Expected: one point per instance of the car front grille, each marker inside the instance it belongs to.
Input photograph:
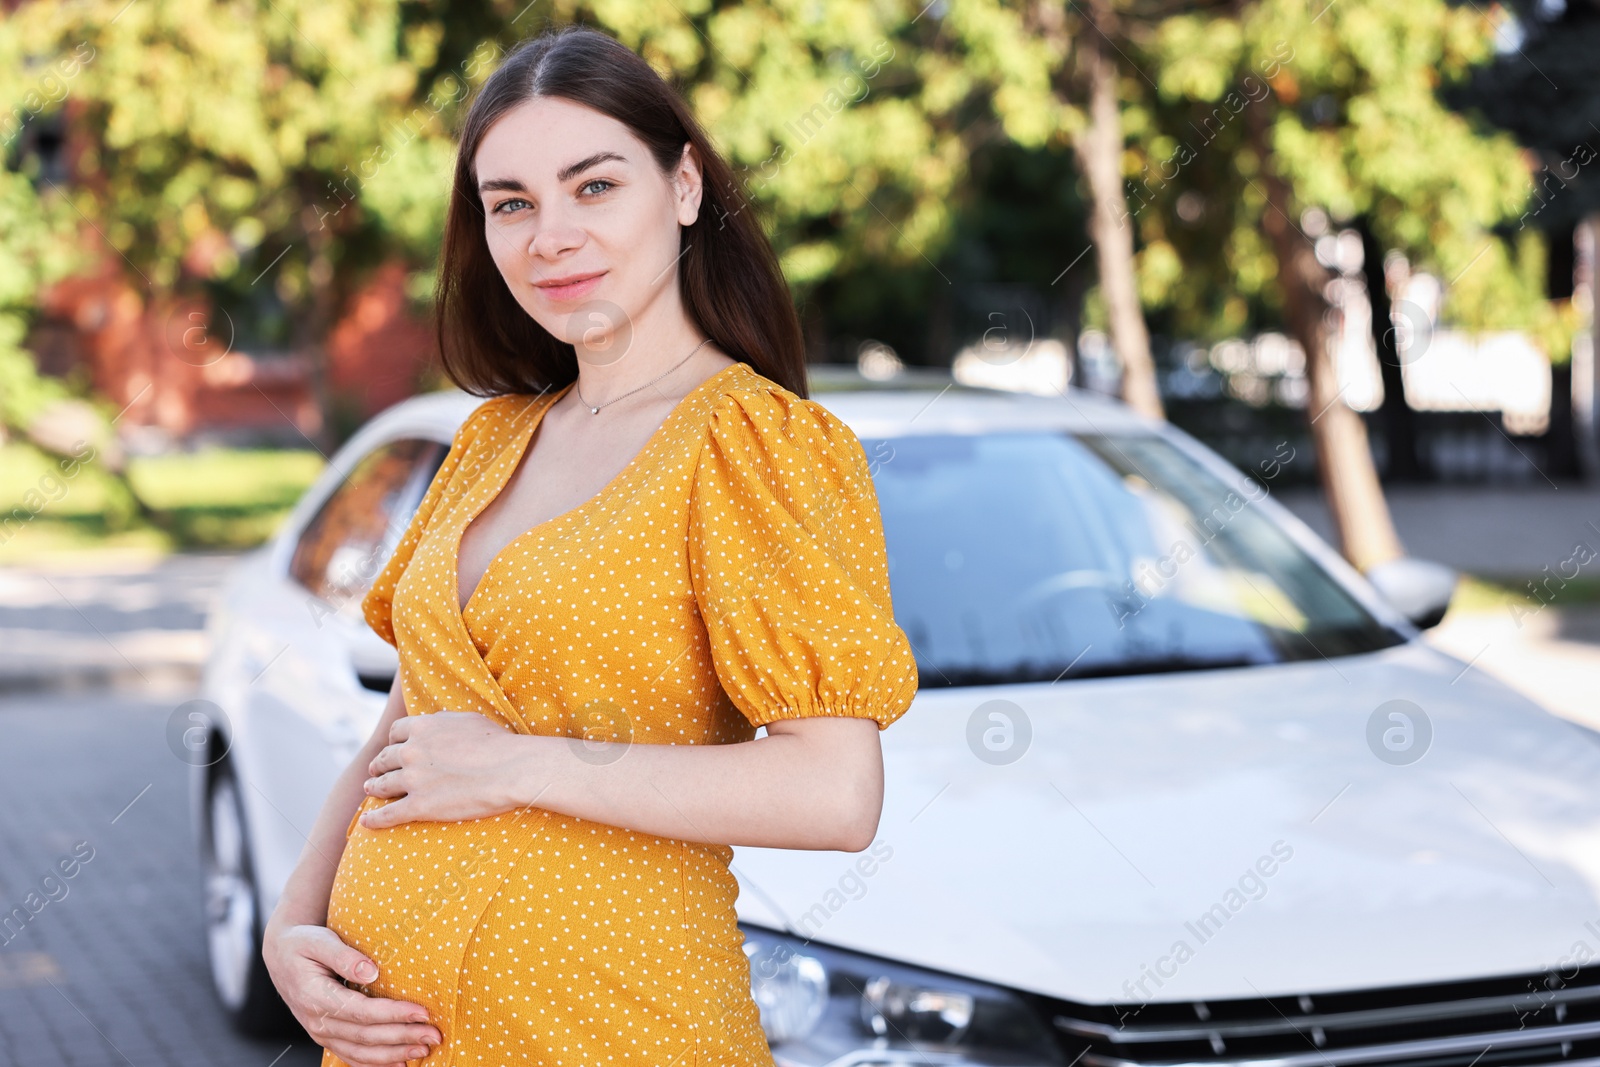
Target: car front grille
(1542, 1018)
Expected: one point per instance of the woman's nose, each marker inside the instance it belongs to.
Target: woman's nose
(552, 236)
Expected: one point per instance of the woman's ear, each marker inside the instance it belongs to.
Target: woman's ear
(688, 185)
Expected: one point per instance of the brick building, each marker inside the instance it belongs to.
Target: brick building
(178, 375)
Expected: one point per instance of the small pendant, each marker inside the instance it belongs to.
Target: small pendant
(594, 411)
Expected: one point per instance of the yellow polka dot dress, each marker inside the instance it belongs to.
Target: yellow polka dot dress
(733, 574)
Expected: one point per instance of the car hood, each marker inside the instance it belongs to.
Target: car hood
(1217, 834)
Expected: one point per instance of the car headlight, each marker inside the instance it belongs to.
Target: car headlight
(828, 1006)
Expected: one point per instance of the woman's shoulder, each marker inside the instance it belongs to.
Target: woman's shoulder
(760, 425)
(753, 405)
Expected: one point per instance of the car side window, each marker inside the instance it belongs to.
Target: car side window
(346, 544)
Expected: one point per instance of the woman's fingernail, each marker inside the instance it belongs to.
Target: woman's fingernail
(417, 1053)
(366, 971)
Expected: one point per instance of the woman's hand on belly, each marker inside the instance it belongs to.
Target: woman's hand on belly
(306, 963)
(447, 766)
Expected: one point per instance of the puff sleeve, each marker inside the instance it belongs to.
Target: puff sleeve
(787, 560)
(378, 604)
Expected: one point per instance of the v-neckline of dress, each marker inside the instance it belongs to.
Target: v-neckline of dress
(511, 457)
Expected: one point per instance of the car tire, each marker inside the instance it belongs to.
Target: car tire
(233, 918)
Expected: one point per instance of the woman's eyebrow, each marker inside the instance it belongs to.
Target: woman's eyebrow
(573, 169)
(494, 185)
(513, 185)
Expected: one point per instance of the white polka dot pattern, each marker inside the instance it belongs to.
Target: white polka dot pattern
(733, 574)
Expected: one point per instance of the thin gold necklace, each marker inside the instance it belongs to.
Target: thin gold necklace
(594, 409)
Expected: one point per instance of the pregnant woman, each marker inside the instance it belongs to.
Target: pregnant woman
(645, 544)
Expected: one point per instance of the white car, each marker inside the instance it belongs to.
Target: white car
(1179, 785)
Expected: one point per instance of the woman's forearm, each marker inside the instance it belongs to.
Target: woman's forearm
(304, 900)
(814, 783)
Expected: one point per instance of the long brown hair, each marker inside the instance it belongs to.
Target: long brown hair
(731, 283)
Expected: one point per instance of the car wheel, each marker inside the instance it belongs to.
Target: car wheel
(233, 915)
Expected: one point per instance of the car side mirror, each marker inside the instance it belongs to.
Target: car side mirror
(1419, 588)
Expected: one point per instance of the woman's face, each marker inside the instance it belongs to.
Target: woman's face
(570, 193)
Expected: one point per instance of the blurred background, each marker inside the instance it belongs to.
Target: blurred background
(1358, 233)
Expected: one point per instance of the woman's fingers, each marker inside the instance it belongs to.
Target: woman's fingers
(393, 813)
(306, 963)
(385, 785)
(387, 759)
(397, 1034)
(323, 945)
(327, 1009)
(363, 1010)
(410, 1035)
(374, 1055)
(334, 1000)
(368, 1030)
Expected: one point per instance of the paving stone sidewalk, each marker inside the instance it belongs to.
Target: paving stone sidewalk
(111, 970)
(94, 624)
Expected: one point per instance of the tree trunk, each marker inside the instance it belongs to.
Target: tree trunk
(1344, 459)
(1560, 437)
(814, 328)
(1561, 459)
(1099, 151)
(1399, 421)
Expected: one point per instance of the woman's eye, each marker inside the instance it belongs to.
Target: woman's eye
(598, 181)
(503, 203)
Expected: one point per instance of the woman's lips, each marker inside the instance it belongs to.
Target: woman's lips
(573, 291)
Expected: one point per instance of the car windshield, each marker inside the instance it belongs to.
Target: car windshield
(1036, 556)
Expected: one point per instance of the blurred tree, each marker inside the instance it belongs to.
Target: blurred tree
(228, 145)
(1012, 270)
(1276, 115)
(36, 250)
(1542, 89)
(855, 124)
(271, 150)
(1405, 463)
(34, 253)
(1099, 144)
(1066, 62)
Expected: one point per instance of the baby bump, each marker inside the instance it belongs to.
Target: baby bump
(578, 957)
(570, 939)
(410, 896)
(603, 945)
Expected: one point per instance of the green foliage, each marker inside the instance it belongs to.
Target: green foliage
(24, 392)
(284, 145)
(35, 250)
(840, 125)
(269, 143)
(1350, 97)
(1545, 94)
(223, 125)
